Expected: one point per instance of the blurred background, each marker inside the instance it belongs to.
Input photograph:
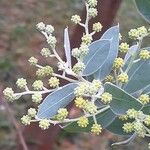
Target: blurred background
(20, 40)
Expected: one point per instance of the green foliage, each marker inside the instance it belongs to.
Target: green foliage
(111, 34)
(60, 98)
(98, 53)
(105, 118)
(144, 8)
(122, 101)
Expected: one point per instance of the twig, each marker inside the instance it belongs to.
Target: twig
(16, 125)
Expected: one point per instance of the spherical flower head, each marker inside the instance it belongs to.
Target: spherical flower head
(92, 90)
(87, 39)
(37, 85)
(32, 112)
(118, 63)
(40, 26)
(106, 98)
(128, 127)
(44, 72)
(92, 3)
(132, 113)
(90, 107)
(144, 54)
(78, 67)
(96, 129)
(83, 122)
(81, 89)
(51, 40)
(49, 29)
(76, 19)
(84, 49)
(97, 84)
(139, 128)
(44, 124)
(123, 117)
(97, 27)
(21, 83)
(9, 94)
(123, 78)
(92, 12)
(109, 78)
(124, 47)
(37, 97)
(45, 52)
(144, 98)
(26, 120)
(33, 61)
(147, 120)
(142, 31)
(80, 102)
(53, 82)
(76, 53)
(62, 114)
(133, 34)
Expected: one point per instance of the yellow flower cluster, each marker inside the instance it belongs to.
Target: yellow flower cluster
(123, 117)
(132, 113)
(21, 83)
(92, 3)
(106, 98)
(37, 97)
(80, 102)
(90, 107)
(33, 61)
(118, 63)
(128, 127)
(138, 33)
(53, 82)
(96, 129)
(144, 98)
(97, 27)
(147, 120)
(78, 67)
(9, 94)
(45, 71)
(87, 39)
(83, 122)
(144, 54)
(62, 114)
(37, 85)
(76, 19)
(124, 47)
(44, 124)
(26, 120)
(123, 78)
(109, 78)
(32, 112)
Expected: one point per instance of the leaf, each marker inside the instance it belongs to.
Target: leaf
(98, 53)
(144, 8)
(146, 109)
(113, 35)
(116, 127)
(139, 76)
(104, 119)
(67, 47)
(146, 90)
(130, 52)
(121, 100)
(58, 99)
